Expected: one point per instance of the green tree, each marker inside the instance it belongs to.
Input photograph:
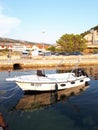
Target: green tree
(51, 48)
(71, 43)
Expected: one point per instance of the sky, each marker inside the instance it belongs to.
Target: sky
(45, 21)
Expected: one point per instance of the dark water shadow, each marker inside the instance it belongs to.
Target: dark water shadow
(36, 100)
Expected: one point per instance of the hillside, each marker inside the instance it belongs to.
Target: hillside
(8, 40)
(88, 31)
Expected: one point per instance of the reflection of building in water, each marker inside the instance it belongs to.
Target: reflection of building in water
(36, 100)
(92, 71)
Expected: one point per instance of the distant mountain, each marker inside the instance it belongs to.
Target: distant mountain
(8, 40)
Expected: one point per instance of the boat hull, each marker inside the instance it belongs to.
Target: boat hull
(25, 86)
(50, 82)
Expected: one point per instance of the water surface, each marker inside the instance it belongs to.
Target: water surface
(78, 112)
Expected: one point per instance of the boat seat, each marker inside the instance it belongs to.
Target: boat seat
(39, 73)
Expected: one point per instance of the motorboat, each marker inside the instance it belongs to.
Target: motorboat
(51, 82)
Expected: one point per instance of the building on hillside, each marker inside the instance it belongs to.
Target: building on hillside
(4, 46)
(34, 49)
(92, 37)
(18, 47)
(92, 40)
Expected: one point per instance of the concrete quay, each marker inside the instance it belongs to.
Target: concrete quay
(48, 61)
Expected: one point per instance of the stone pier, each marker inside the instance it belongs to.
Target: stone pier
(49, 61)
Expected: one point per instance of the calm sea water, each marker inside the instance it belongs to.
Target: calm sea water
(79, 112)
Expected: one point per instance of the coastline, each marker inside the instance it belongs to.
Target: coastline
(48, 61)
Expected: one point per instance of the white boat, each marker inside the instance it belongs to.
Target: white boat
(51, 82)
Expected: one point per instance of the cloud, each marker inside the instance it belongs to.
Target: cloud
(7, 24)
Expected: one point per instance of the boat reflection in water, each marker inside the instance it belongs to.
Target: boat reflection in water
(34, 100)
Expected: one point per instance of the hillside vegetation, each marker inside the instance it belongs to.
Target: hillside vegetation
(8, 40)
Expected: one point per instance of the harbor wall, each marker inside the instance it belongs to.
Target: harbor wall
(48, 61)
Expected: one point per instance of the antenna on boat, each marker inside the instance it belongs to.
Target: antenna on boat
(61, 61)
(77, 63)
(75, 68)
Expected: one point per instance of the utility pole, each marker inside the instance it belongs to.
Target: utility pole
(43, 42)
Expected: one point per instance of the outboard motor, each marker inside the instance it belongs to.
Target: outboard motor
(84, 73)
